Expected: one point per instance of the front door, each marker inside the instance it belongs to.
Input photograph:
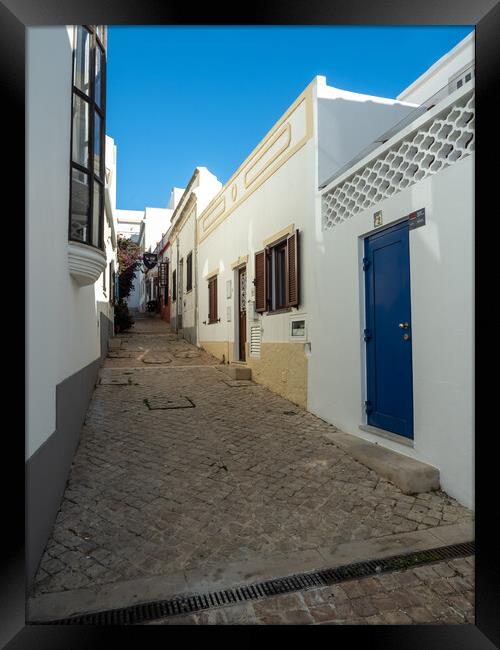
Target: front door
(389, 403)
(242, 306)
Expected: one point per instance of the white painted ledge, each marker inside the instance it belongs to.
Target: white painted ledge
(86, 263)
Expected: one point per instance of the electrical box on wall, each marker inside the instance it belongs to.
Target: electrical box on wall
(298, 328)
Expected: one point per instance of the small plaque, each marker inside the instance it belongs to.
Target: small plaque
(416, 219)
(377, 219)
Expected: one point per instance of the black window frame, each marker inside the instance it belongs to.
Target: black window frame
(96, 45)
(174, 285)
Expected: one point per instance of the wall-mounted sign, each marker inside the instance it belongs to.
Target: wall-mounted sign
(416, 219)
(377, 219)
(162, 274)
(150, 260)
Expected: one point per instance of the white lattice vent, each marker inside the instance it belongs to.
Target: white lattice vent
(436, 145)
(255, 340)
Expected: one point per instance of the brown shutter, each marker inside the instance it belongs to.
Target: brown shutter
(214, 285)
(260, 282)
(293, 269)
(212, 300)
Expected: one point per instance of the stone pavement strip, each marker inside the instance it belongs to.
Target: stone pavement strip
(178, 471)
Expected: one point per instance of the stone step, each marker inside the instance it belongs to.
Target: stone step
(410, 475)
(237, 371)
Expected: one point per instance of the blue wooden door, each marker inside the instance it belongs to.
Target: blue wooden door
(389, 403)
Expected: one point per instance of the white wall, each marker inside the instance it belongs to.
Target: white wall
(348, 122)
(62, 318)
(438, 75)
(442, 303)
(286, 197)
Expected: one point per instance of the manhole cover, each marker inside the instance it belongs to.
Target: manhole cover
(120, 354)
(157, 358)
(174, 402)
(234, 383)
(186, 355)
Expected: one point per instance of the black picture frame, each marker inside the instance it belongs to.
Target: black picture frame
(15, 16)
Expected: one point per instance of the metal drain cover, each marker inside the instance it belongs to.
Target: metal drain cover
(118, 381)
(161, 403)
(158, 357)
(234, 383)
(186, 355)
(120, 354)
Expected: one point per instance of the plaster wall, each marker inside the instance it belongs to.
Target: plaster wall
(442, 304)
(63, 319)
(438, 75)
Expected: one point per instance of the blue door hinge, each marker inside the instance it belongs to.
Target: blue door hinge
(366, 263)
(367, 335)
(368, 406)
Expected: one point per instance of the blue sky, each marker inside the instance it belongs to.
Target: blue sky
(179, 97)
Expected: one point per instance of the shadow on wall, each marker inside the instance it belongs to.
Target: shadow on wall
(346, 128)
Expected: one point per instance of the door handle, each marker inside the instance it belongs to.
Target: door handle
(403, 326)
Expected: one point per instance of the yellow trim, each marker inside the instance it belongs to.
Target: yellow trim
(306, 96)
(286, 129)
(234, 192)
(243, 259)
(278, 235)
(222, 202)
(211, 274)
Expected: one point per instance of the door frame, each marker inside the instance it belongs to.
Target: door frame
(362, 323)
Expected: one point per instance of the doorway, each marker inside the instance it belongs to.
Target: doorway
(389, 403)
(242, 312)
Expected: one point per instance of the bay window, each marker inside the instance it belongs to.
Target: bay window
(86, 213)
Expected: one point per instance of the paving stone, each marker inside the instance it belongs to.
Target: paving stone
(230, 479)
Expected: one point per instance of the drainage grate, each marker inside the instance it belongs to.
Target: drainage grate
(198, 602)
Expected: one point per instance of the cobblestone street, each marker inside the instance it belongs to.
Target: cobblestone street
(180, 468)
(441, 593)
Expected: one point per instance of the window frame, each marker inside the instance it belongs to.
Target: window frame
(189, 272)
(96, 45)
(174, 285)
(273, 276)
(213, 307)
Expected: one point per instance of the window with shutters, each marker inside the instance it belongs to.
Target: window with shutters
(212, 300)
(277, 275)
(189, 272)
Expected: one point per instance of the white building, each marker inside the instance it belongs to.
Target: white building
(407, 387)
(70, 245)
(183, 299)
(130, 224)
(256, 238)
(287, 272)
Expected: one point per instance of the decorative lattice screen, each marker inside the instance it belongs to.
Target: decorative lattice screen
(255, 340)
(436, 145)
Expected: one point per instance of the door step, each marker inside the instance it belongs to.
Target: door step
(237, 371)
(410, 475)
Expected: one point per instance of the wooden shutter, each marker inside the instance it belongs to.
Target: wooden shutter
(260, 282)
(292, 253)
(212, 300)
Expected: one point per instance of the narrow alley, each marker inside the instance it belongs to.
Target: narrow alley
(186, 480)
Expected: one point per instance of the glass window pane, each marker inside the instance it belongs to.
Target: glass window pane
(81, 73)
(80, 205)
(100, 32)
(96, 213)
(99, 66)
(80, 131)
(97, 144)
